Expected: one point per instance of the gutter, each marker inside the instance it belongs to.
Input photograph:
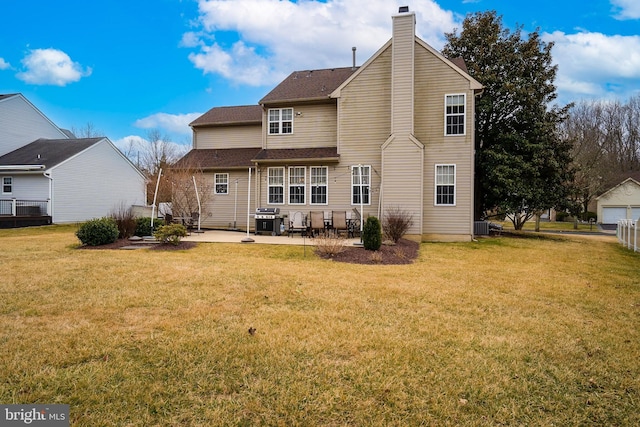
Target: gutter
(21, 167)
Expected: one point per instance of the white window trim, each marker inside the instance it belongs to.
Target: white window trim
(304, 185)
(353, 168)
(435, 187)
(3, 184)
(325, 185)
(464, 115)
(269, 185)
(279, 121)
(215, 183)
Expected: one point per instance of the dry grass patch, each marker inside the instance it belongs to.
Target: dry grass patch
(501, 331)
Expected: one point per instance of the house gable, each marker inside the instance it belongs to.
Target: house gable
(21, 122)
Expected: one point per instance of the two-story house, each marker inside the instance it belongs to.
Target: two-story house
(395, 132)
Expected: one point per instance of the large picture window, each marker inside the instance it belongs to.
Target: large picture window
(318, 183)
(276, 185)
(445, 185)
(360, 185)
(297, 185)
(280, 121)
(454, 114)
(221, 183)
(7, 185)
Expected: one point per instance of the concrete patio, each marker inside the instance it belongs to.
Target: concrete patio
(224, 236)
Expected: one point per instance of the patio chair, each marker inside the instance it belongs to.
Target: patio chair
(317, 222)
(339, 222)
(297, 223)
(354, 224)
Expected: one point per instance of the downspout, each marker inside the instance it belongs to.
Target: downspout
(50, 207)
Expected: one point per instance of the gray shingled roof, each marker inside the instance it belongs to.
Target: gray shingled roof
(232, 158)
(326, 154)
(244, 114)
(308, 85)
(47, 152)
(227, 158)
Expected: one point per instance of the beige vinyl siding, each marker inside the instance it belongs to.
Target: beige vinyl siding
(220, 210)
(221, 137)
(402, 74)
(403, 162)
(441, 149)
(365, 125)
(314, 126)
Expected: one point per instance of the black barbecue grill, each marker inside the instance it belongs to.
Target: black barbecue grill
(268, 220)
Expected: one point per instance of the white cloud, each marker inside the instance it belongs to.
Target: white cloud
(276, 37)
(51, 67)
(4, 65)
(594, 63)
(175, 123)
(627, 9)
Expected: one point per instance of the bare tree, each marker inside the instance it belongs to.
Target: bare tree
(89, 130)
(183, 178)
(605, 139)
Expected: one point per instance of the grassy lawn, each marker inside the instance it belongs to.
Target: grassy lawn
(515, 331)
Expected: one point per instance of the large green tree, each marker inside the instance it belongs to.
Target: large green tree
(522, 166)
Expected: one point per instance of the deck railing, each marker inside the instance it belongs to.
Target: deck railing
(628, 234)
(16, 207)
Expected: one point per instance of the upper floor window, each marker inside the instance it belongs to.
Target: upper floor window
(221, 183)
(454, 114)
(445, 185)
(280, 121)
(360, 185)
(297, 185)
(7, 185)
(275, 184)
(318, 177)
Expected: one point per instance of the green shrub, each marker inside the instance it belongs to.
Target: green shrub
(372, 234)
(171, 233)
(590, 216)
(561, 216)
(98, 232)
(143, 226)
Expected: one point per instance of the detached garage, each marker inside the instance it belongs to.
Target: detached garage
(620, 202)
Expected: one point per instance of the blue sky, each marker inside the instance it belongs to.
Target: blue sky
(130, 66)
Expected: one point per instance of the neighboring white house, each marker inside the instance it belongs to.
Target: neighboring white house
(619, 202)
(21, 123)
(56, 177)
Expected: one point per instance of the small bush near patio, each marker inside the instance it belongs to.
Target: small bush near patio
(329, 246)
(96, 232)
(143, 226)
(372, 234)
(125, 221)
(171, 233)
(395, 223)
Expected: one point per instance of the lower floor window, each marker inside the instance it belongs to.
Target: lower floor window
(222, 183)
(445, 185)
(360, 184)
(276, 185)
(319, 179)
(297, 185)
(7, 185)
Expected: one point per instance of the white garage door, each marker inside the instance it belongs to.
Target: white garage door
(612, 215)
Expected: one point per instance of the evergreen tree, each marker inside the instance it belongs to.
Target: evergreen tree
(522, 166)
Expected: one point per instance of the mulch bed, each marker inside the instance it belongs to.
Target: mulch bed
(120, 243)
(403, 252)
